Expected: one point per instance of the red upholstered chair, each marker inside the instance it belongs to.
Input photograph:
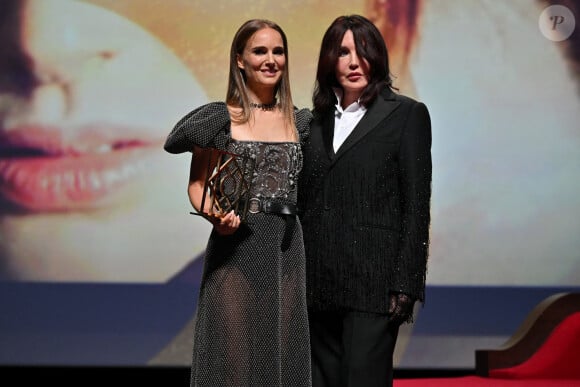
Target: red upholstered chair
(543, 352)
(546, 345)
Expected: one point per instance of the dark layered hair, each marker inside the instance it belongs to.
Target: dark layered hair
(237, 94)
(370, 45)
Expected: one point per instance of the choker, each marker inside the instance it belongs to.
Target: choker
(264, 106)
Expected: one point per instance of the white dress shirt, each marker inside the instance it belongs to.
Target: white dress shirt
(345, 120)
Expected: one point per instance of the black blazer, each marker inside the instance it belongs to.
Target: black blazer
(365, 210)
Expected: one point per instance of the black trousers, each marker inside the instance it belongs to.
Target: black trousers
(352, 349)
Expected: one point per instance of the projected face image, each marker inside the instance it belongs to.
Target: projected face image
(86, 191)
(89, 90)
(507, 182)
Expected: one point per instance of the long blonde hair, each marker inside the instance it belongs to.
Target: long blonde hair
(237, 94)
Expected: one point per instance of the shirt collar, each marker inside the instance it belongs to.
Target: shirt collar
(353, 107)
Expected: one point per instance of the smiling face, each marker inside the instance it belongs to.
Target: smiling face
(263, 60)
(352, 71)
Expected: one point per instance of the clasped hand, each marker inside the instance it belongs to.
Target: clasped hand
(226, 224)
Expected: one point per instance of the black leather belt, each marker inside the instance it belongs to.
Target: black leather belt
(269, 206)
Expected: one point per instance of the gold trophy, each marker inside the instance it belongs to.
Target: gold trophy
(227, 185)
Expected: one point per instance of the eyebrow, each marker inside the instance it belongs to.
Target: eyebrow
(275, 47)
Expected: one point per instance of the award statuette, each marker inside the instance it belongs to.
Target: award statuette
(227, 185)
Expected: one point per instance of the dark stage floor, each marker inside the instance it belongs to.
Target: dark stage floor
(146, 376)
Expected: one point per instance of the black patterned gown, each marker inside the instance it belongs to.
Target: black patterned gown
(251, 323)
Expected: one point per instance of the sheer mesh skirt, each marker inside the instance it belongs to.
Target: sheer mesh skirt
(252, 327)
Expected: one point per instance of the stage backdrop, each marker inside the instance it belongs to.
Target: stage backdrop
(100, 260)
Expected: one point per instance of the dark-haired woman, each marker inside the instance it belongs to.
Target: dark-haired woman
(365, 195)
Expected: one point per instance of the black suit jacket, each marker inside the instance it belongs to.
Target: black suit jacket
(365, 210)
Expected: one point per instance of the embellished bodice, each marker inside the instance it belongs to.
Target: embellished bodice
(267, 170)
(271, 168)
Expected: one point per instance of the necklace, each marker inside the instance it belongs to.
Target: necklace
(264, 106)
